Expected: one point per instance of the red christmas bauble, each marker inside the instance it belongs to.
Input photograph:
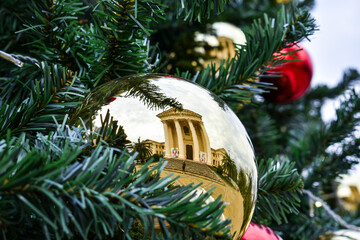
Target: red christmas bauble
(295, 79)
(256, 232)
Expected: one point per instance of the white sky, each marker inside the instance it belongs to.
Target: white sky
(335, 48)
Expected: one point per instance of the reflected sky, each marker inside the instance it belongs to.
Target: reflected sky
(223, 127)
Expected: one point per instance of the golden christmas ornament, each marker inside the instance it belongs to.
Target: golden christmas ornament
(197, 51)
(191, 128)
(220, 45)
(344, 234)
(348, 191)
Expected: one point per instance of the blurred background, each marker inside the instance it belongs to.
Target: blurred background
(333, 49)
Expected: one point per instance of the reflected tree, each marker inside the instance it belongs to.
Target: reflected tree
(244, 182)
(110, 131)
(229, 167)
(143, 149)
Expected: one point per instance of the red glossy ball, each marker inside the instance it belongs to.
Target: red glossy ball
(256, 232)
(295, 79)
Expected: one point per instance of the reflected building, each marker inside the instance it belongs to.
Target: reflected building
(217, 156)
(186, 138)
(157, 147)
(203, 134)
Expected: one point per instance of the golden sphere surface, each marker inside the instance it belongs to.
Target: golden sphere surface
(193, 129)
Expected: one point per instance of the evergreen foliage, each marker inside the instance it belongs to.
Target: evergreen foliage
(52, 189)
(232, 80)
(319, 151)
(60, 181)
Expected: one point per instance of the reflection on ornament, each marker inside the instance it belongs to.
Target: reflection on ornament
(195, 131)
(295, 79)
(341, 235)
(174, 151)
(256, 232)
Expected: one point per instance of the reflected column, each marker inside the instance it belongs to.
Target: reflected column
(180, 140)
(167, 134)
(207, 143)
(195, 141)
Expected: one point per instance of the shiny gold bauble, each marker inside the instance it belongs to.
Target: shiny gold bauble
(194, 130)
(342, 235)
(348, 190)
(195, 52)
(220, 44)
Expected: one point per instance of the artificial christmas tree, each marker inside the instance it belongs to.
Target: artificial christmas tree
(60, 180)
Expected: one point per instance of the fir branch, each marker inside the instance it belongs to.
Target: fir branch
(10, 14)
(322, 92)
(52, 93)
(56, 191)
(197, 10)
(279, 188)
(54, 30)
(316, 140)
(112, 43)
(330, 166)
(263, 129)
(263, 39)
(304, 227)
(120, 38)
